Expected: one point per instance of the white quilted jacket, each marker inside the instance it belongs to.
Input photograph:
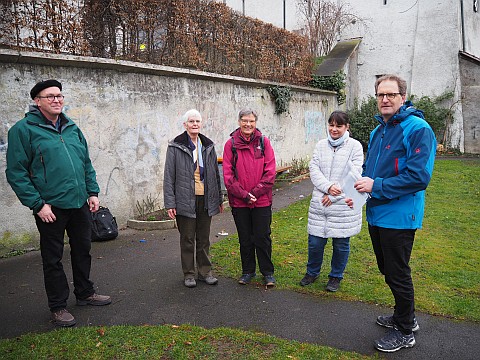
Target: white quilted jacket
(326, 168)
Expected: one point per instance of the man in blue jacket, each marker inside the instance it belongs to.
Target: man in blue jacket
(49, 169)
(396, 172)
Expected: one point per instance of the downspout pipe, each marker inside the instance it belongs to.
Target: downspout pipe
(462, 20)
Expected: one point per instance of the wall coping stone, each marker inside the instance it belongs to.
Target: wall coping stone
(89, 62)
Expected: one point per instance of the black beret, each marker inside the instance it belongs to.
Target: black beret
(42, 85)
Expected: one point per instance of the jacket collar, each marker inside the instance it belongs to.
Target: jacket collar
(405, 111)
(241, 142)
(35, 116)
(183, 139)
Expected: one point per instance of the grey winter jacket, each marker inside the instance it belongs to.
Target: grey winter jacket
(326, 168)
(179, 182)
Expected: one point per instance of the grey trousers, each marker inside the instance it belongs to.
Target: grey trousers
(195, 240)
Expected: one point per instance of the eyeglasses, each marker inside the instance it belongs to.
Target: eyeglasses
(390, 96)
(245, 121)
(50, 98)
(194, 121)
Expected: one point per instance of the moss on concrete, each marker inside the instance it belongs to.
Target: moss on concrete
(14, 244)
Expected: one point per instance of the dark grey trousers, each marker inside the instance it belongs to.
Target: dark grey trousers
(195, 240)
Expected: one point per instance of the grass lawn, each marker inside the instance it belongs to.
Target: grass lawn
(445, 260)
(445, 266)
(163, 342)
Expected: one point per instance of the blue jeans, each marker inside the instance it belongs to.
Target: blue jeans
(316, 246)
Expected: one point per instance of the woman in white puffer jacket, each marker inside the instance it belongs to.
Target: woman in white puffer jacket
(328, 215)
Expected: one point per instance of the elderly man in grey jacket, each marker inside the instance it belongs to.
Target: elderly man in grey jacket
(192, 195)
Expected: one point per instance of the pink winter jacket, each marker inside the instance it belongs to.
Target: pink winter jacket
(256, 173)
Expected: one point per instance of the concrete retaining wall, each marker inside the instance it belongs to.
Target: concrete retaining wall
(128, 112)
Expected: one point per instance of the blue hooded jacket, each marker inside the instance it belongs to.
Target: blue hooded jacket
(400, 160)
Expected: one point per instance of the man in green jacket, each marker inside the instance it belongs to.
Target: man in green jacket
(49, 169)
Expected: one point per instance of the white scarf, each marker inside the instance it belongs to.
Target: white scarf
(338, 141)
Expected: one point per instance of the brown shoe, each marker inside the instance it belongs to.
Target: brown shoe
(63, 318)
(95, 300)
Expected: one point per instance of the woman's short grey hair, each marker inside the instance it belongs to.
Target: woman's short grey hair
(189, 114)
(247, 111)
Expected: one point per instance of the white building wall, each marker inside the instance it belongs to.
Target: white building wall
(471, 27)
(270, 11)
(418, 40)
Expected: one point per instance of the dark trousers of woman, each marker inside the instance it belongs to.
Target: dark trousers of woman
(195, 240)
(77, 224)
(393, 248)
(253, 227)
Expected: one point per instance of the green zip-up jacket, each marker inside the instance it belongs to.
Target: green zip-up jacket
(47, 166)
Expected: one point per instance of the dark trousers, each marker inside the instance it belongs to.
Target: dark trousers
(195, 240)
(393, 248)
(77, 224)
(253, 227)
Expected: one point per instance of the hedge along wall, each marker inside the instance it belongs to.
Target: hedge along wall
(129, 111)
(197, 34)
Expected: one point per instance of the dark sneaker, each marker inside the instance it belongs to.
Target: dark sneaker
(209, 279)
(308, 279)
(63, 318)
(95, 300)
(387, 321)
(269, 280)
(246, 278)
(333, 284)
(394, 341)
(190, 282)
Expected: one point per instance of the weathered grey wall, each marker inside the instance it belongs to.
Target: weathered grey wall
(128, 112)
(470, 79)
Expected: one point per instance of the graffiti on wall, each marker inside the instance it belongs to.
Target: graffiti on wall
(315, 126)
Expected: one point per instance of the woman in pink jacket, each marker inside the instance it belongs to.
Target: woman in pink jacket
(249, 174)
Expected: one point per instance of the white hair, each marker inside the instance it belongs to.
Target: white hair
(190, 113)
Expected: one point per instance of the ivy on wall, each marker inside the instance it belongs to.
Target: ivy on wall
(281, 96)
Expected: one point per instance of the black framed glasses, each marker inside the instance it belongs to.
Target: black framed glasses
(390, 96)
(50, 98)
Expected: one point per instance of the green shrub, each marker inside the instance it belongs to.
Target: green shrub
(336, 83)
(362, 120)
(436, 114)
